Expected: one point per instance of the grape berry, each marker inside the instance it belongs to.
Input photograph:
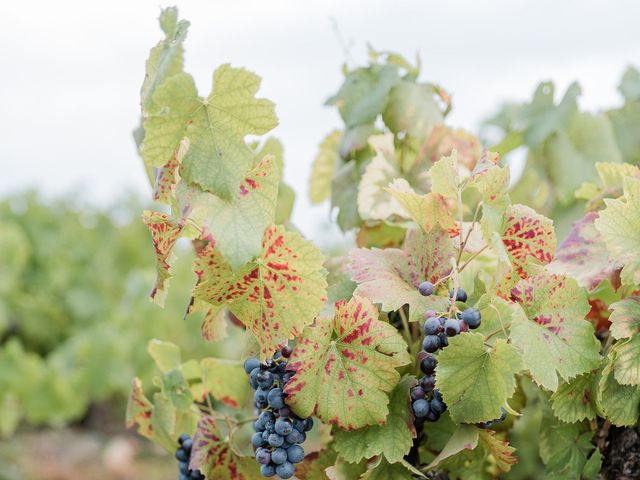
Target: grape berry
(183, 454)
(427, 403)
(279, 432)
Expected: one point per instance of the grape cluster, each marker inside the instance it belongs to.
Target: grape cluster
(427, 403)
(279, 432)
(183, 453)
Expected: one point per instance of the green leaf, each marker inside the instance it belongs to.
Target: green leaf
(625, 317)
(345, 367)
(476, 381)
(275, 295)
(165, 354)
(344, 196)
(393, 439)
(445, 178)
(374, 202)
(165, 59)
(575, 400)
(619, 224)
(315, 464)
(226, 380)
(284, 204)
(627, 362)
(572, 154)
(412, 108)
(465, 437)
(363, 94)
(625, 123)
(491, 180)
(324, 167)
(501, 451)
(593, 466)
(175, 386)
(583, 255)
(551, 330)
(391, 276)
(621, 403)
(564, 448)
(630, 84)
(218, 157)
(213, 456)
(384, 470)
(236, 226)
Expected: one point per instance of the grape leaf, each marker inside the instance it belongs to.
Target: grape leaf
(491, 180)
(630, 84)
(583, 255)
(572, 153)
(345, 367)
(226, 380)
(213, 456)
(501, 451)
(166, 58)
(445, 177)
(164, 235)
(444, 140)
(476, 381)
(324, 166)
(551, 330)
(363, 94)
(139, 410)
(621, 403)
(214, 325)
(167, 177)
(627, 361)
(576, 400)
(374, 202)
(619, 224)
(412, 108)
(218, 157)
(465, 437)
(564, 448)
(166, 355)
(237, 226)
(625, 317)
(315, 463)
(527, 236)
(428, 211)
(275, 295)
(344, 196)
(393, 439)
(391, 276)
(383, 470)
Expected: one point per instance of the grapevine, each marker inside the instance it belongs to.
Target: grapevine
(448, 270)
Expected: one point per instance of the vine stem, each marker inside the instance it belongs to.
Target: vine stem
(472, 257)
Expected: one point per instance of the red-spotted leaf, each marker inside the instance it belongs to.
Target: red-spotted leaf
(583, 255)
(213, 456)
(164, 235)
(276, 295)
(164, 188)
(551, 330)
(529, 239)
(345, 367)
(214, 324)
(391, 276)
(225, 380)
(501, 451)
(465, 437)
(139, 410)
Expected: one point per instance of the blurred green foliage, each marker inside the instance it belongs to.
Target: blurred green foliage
(74, 315)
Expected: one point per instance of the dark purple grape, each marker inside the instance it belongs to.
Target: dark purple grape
(417, 393)
(308, 424)
(461, 295)
(265, 379)
(472, 317)
(432, 416)
(295, 454)
(284, 411)
(279, 456)
(182, 438)
(250, 364)
(428, 364)
(431, 326)
(263, 456)
(286, 470)
(283, 426)
(426, 288)
(452, 327)
(275, 440)
(267, 470)
(428, 383)
(437, 406)
(420, 408)
(181, 455)
(431, 343)
(444, 340)
(286, 351)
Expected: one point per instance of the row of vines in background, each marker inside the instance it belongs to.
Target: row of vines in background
(74, 323)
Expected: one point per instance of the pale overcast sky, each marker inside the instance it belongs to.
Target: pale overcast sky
(71, 71)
